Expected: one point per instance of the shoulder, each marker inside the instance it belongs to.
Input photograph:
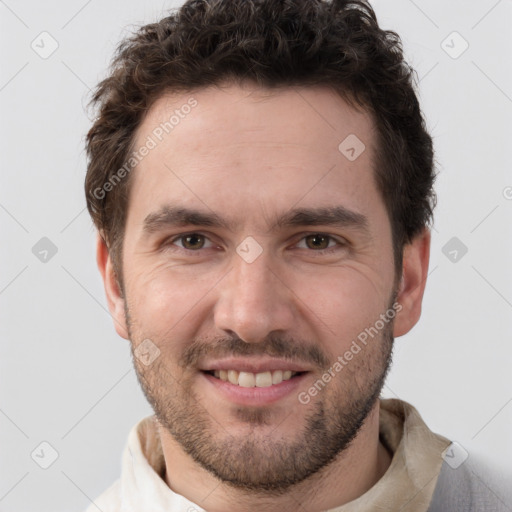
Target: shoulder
(108, 501)
(471, 486)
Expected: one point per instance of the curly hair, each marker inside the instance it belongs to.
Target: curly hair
(273, 43)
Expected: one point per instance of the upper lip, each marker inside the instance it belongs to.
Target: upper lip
(253, 365)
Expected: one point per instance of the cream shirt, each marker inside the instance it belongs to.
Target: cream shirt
(407, 485)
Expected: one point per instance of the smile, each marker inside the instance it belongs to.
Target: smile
(250, 380)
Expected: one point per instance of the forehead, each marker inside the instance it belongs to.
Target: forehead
(225, 146)
(299, 116)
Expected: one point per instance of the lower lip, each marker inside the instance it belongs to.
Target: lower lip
(255, 395)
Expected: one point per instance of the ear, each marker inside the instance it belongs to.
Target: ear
(115, 299)
(412, 284)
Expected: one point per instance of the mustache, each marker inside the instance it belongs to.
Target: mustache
(274, 346)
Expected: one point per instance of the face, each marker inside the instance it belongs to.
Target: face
(256, 254)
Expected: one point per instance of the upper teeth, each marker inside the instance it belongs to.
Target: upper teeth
(251, 380)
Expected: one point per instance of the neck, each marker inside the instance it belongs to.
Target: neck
(350, 475)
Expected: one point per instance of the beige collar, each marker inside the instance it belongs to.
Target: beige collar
(407, 485)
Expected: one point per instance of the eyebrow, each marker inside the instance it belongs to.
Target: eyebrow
(173, 216)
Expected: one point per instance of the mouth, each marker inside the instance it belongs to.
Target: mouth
(253, 381)
(246, 379)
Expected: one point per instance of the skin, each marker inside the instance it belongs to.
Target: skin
(250, 155)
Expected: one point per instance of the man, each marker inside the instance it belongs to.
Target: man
(261, 180)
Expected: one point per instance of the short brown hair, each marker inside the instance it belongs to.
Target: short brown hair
(273, 43)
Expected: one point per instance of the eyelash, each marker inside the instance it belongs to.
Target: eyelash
(340, 243)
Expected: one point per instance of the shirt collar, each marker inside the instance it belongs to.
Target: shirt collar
(407, 485)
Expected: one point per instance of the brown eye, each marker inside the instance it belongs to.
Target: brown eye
(317, 241)
(192, 241)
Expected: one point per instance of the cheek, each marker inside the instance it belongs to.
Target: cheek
(342, 302)
(163, 301)
(331, 303)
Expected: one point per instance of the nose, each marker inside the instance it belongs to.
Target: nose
(254, 301)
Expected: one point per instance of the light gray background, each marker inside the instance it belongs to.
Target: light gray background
(66, 377)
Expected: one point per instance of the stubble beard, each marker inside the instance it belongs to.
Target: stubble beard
(270, 463)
